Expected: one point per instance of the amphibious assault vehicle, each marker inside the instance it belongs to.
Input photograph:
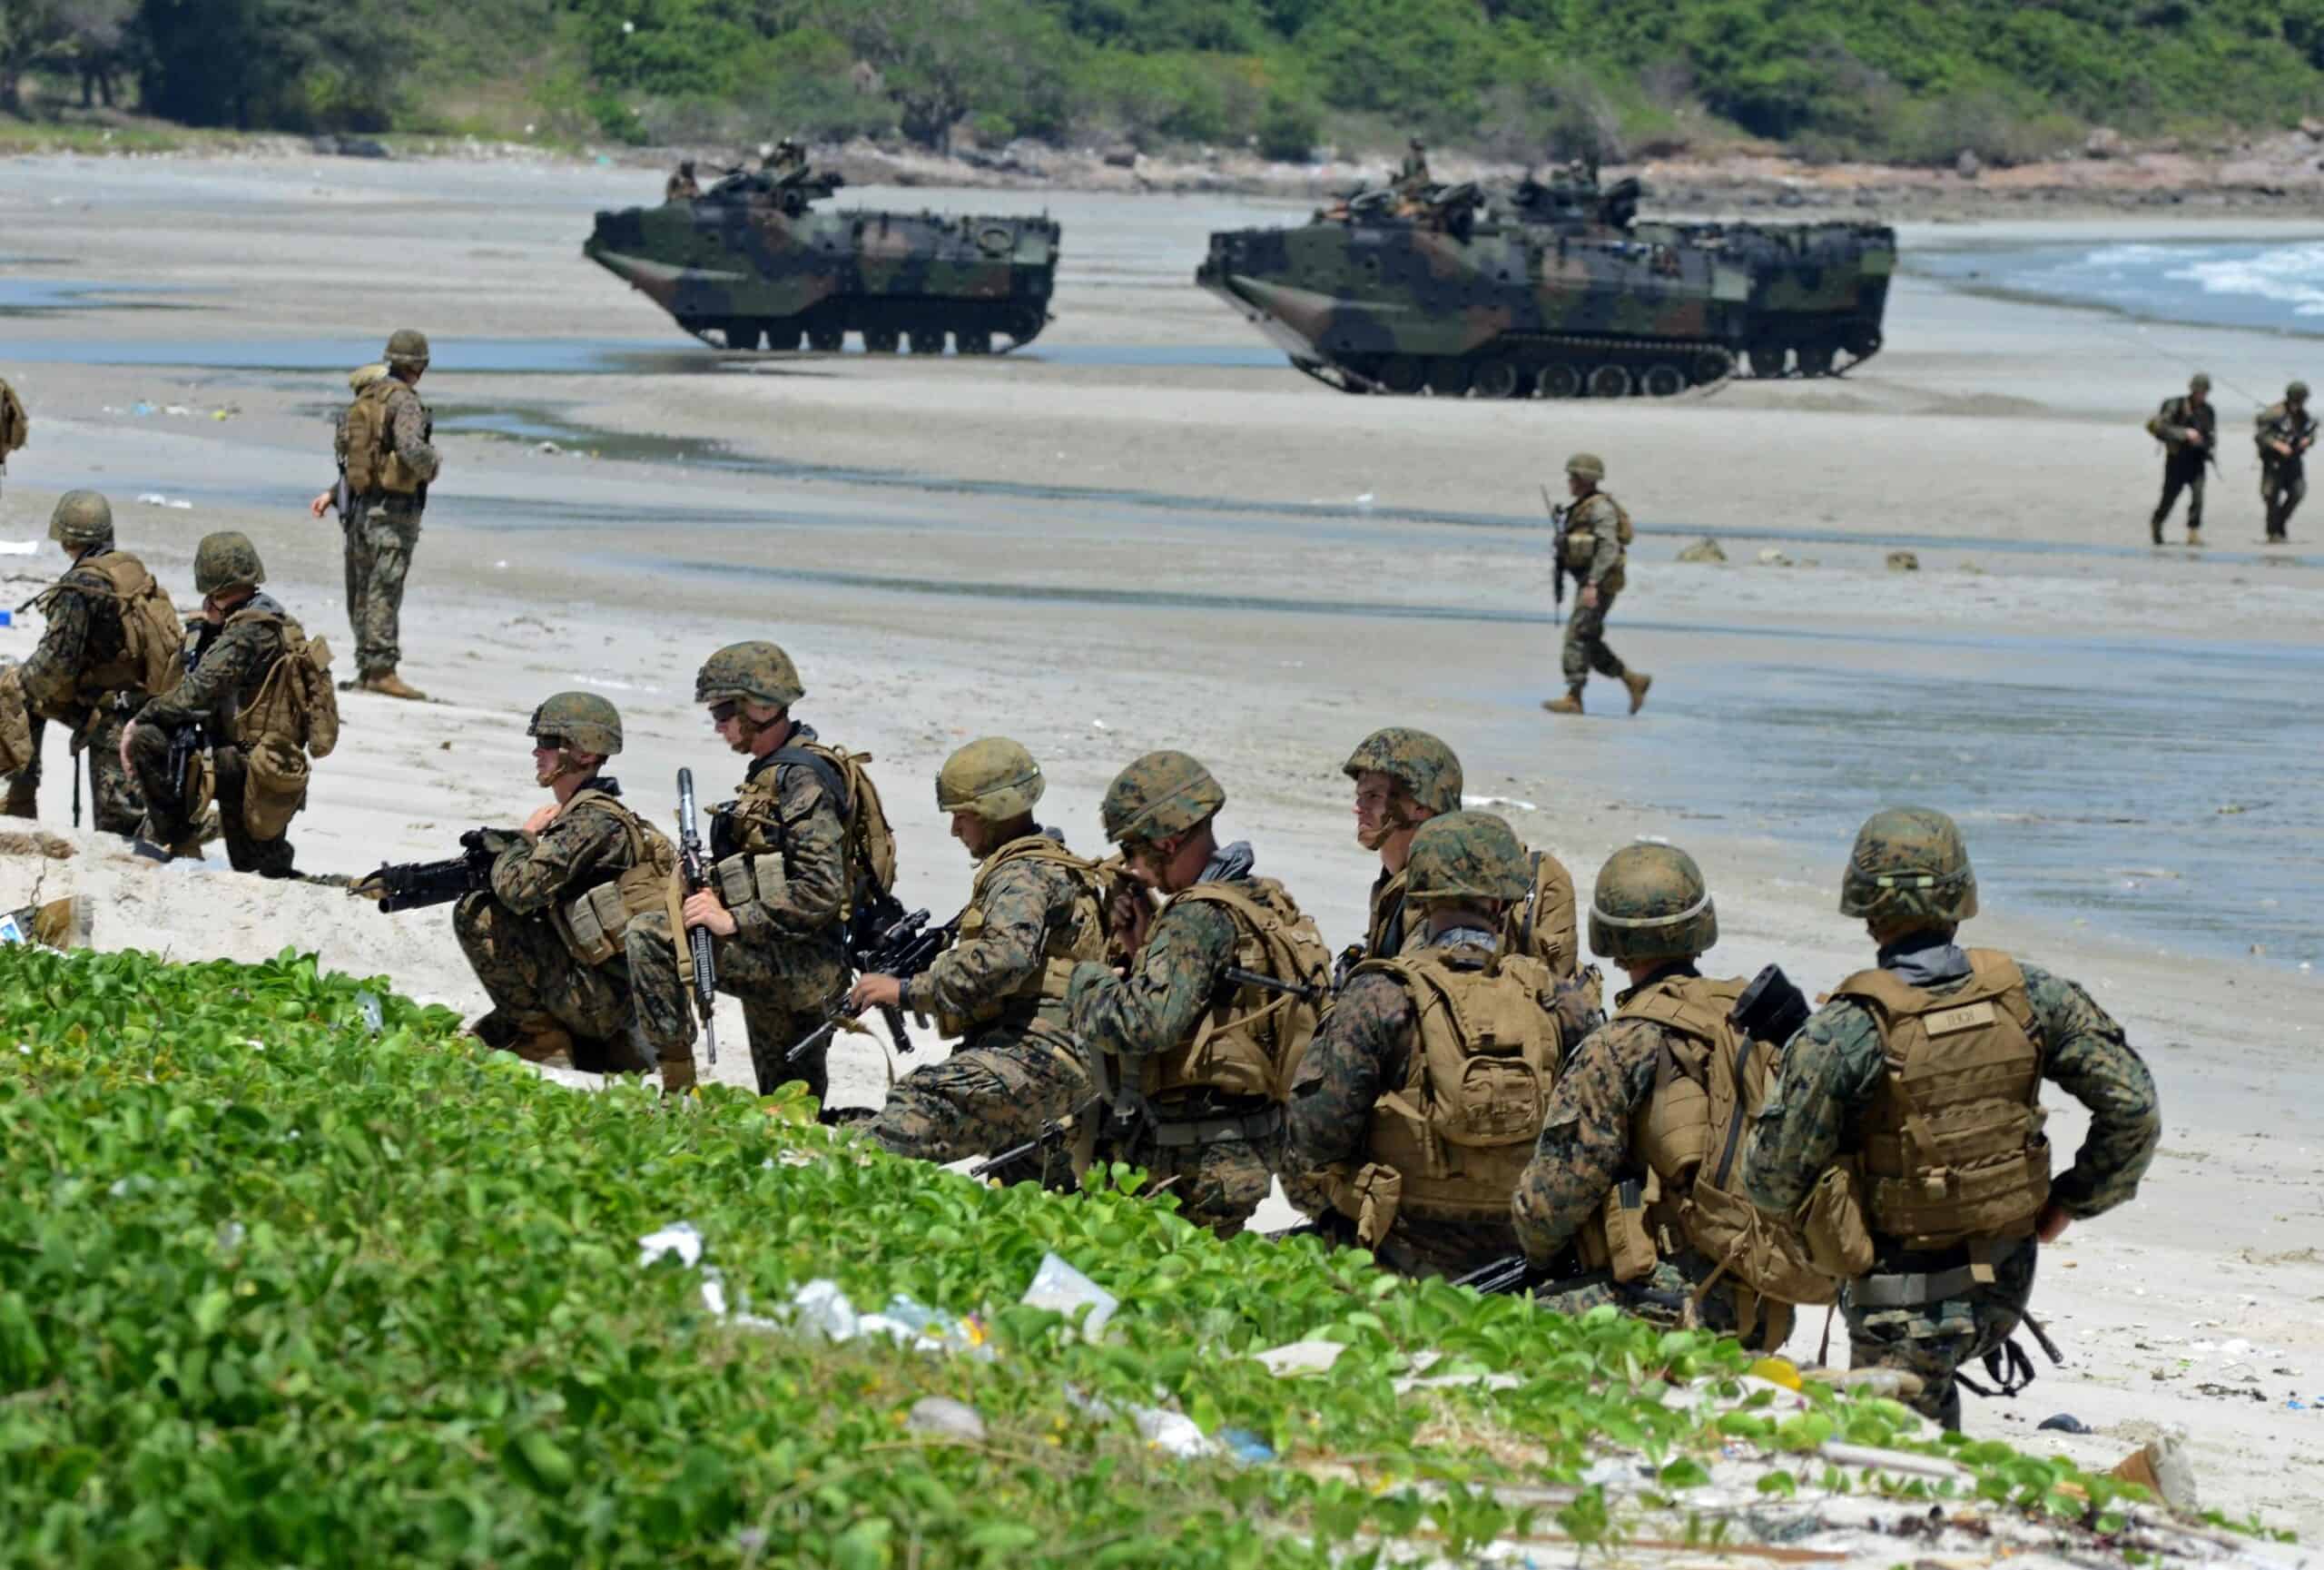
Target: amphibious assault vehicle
(753, 261)
(1553, 288)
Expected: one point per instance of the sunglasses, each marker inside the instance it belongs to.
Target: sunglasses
(720, 712)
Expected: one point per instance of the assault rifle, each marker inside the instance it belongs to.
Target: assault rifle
(1770, 1008)
(184, 742)
(902, 949)
(1051, 1134)
(413, 886)
(1560, 526)
(1516, 1274)
(693, 866)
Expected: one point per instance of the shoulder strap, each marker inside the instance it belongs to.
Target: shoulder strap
(632, 825)
(806, 754)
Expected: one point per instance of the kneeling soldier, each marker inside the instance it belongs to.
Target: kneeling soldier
(234, 651)
(547, 939)
(1201, 1059)
(1630, 1196)
(1907, 1121)
(1415, 1107)
(1035, 909)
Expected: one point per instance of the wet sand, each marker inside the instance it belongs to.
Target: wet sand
(1144, 532)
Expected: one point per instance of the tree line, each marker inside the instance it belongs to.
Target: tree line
(1909, 79)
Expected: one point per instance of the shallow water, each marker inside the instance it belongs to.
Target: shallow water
(2274, 286)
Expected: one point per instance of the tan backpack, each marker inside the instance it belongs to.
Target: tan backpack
(293, 716)
(1543, 923)
(15, 427)
(1709, 1084)
(1251, 1040)
(152, 661)
(17, 750)
(871, 842)
(374, 467)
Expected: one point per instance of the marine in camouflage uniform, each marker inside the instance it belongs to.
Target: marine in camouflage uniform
(1412, 175)
(2285, 433)
(777, 909)
(682, 186)
(1594, 557)
(1215, 1152)
(382, 522)
(1652, 914)
(1033, 912)
(2188, 427)
(1403, 778)
(1349, 1123)
(83, 635)
(551, 1003)
(15, 427)
(231, 648)
(1839, 1103)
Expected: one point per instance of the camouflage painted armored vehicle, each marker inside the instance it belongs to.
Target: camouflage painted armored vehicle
(1553, 289)
(753, 261)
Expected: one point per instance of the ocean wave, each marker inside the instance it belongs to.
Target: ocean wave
(2289, 275)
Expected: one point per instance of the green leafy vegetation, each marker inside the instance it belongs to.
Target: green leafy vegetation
(290, 1272)
(1915, 80)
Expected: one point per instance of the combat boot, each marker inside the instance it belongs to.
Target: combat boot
(387, 684)
(677, 1075)
(2195, 535)
(1637, 681)
(23, 797)
(1570, 704)
(535, 1038)
(2156, 528)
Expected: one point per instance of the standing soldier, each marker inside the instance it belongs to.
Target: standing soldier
(1909, 1111)
(777, 906)
(112, 642)
(1405, 778)
(1412, 175)
(1630, 1197)
(1597, 531)
(548, 939)
(682, 186)
(384, 450)
(15, 427)
(1198, 1062)
(2285, 434)
(2187, 427)
(1035, 910)
(240, 638)
(1415, 1108)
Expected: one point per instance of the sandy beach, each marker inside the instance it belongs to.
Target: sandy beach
(1145, 531)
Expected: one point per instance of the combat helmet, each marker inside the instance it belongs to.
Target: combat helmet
(1587, 465)
(81, 519)
(580, 720)
(1416, 760)
(1651, 903)
(1466, 855)
(1909, 865)
(2198, 382)
(225, 561)
(995, 779)
(1161, 794)
(752, 672)
(2296, 393)
(407, 350)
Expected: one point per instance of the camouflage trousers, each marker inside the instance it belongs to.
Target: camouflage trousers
(1218, 1182)
(994, 1093)
(168, 824)
(2181, 471)
(1934, 1341)
(116, 806)
(382, 535)
(527, 969)
(785, 984)
(2282, 488)
(1585, 648)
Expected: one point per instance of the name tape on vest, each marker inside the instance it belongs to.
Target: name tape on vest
(1967, 1017)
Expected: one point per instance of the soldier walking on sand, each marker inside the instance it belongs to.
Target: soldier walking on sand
(1596, 535)
(2286, 432)
(384, 447)
(2188, 427)
(1905, 1132)
(14, 426)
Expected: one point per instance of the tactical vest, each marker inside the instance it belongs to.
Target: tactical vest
(1251, 1040)
(1951, 1146)
(592, 922)
(1581, 535)
(1709, 1084)
(1385, 934)
(1461, 1127)
(374, 467)
(1082, 935)
(144, 660)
